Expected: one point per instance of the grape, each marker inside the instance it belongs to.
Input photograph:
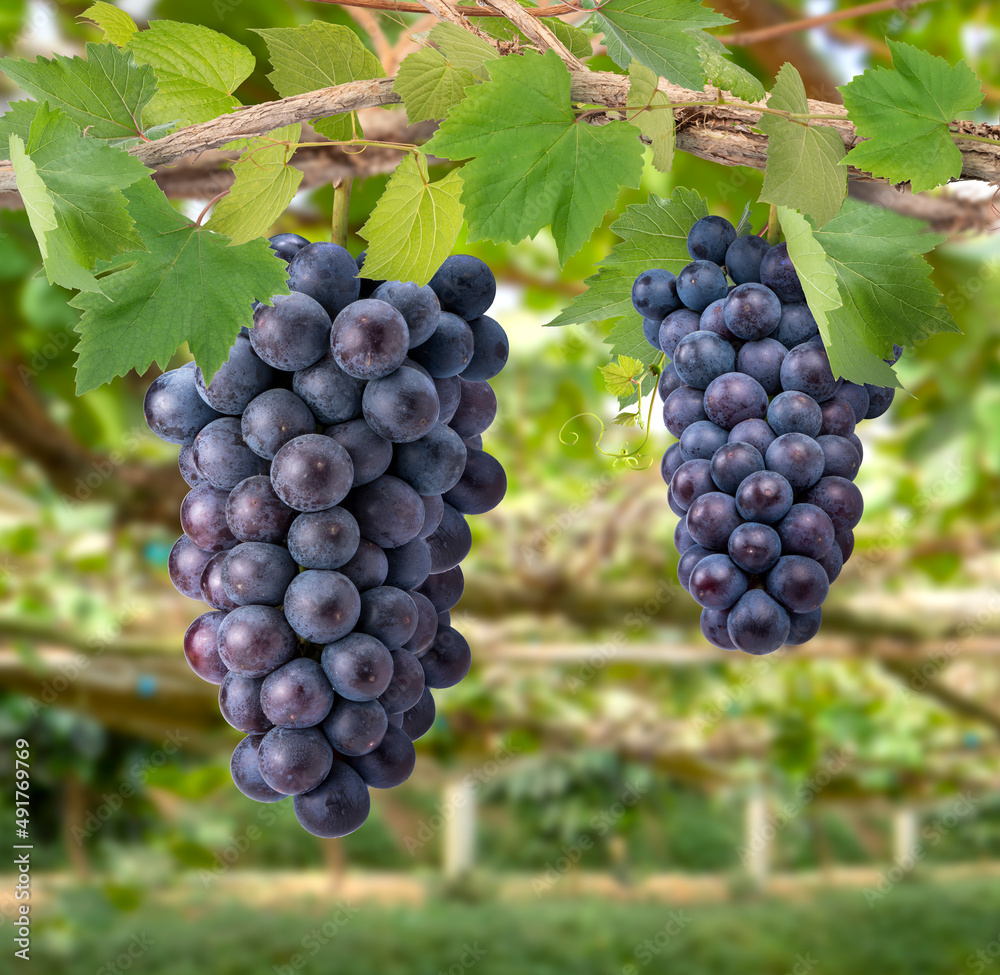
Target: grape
(743, 258)
(840, 499)
(237, 381)
(257, 573)
(690, 481)
(389, 615)
(201, 648)
(254, 640)
(426, 629)
(286, 246)
(838, 417)
(322, 606)
(710, 238)
(754, 432)
(433, 513)
(717, 582)
(683, 407)
(246, 772)
(448, 660)
(654, 294)
(185, 564)
(294, 760)
(358, 666)
(675, 505)
(754, 547)
(491, 348)
(355, 727)
(803, 627)
(713, 626)
(255, 513)
(407, 684)
(331, 395)
(324, 539)
(671, 461)
(336, 807)
(701, 283)
(401, 407)
(733, 398)
(449, 350)
(188, 468)
(800, 584)
(762, 360)
(798, 458)
(444, 589)
(807, 369)
(409, 564)
(212, 590)
(764, 496)
(855, 441)
(778, 273)
(832, 562)
(222, 455)
(203, 518)
(757, 624)
(419, 307)
(273, 418)
(390, 764)
(239, 703)
(173, 409)
(291, 334)
(367, 286)
(312, 472)
(369, 339)
(752, 311)
(367, 568)
(326, 273)
(857, 397)
(449, 391)
(419, 719)
(845, 542)
(465, 286)
(452, 541)
(732, 462)
(713, 319)
(370, 454)
(687, 562)
(880, 399)
(795, 412)
(651, 332)
(702, 439)
(712, 518)
(796, 324)
(434, 463)
(675, 326)
(388, 511)
(481, 487)
(840, 457)
(682, 537)
(806, 530)
(701, 357)
(296, 695)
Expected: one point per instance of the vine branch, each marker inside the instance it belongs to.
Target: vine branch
(418, 8)
(452, 15)
(537, 32)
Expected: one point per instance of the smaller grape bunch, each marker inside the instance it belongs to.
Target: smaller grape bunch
(333, 460)
(762, 473)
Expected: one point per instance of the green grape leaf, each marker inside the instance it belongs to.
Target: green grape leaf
(197, 71)
(803, 171)
(263, 187)
(628, 420)
(117, 25)
(463, 49)
(105, 95)
(531, 163)
(650, 112)
(621, 377)
(190, 286)
(82, 179)
(661, 34)
(318, 55)
(727, 75)
(414, 225)
(904, 112)
(17, 121)
(743, 227)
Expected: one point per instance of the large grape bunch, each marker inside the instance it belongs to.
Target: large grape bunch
(332, 462)
(762, 475)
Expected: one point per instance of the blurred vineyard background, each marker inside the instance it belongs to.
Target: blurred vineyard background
(605, 790)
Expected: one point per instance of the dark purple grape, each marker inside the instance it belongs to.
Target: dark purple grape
(807, 369)
(449, 350)
(840, 499)
(481, 487)
(239, 703)
(173, 409)
(732, 462)
(185, 564)
(690, 481)
(668, 381)
(465, 286)
(257, 573)
(651, 332)
(675, 326)
(358, 666)
(671, 461)
(369, 339)
(654, 294)
(762, 360)
(331, 395)
(388, 511)
(419, 719)
(355, 727)
(687, 562)
(201, 648)
(732, 398)
(757, 624)
(800, 584)
(388, 765)
(803, 627)
(294, 760)
(712, 518)
(701, 357)
(683, 407)
(798, 458)
(702, 439)
(246, 772)
(449, 392)
(433, 513)
(222, 455)
(188, 468)
(291, 334)
(370, 454)
(845, 542)
(880, 399)
(337, 806)
(448, 660)
(701, 283)
(401, 407)
(444, 589)
(840, 457)
(795, 412)
(838, 417)
(682, 537)
(427, 625)
(203, 518)
(757, 433)
(389, 615)
(409, 564)
(754, 547)
(491, 349)
(434, 463)
(274, 418)
(322, 606)
(212, 590)
(764, 496)
(296, 695)
(452, 541)
(254, 640)
(713, 628)
(752, 311)
(325, 272)
(716, 582)
(367, 286)
(710, 238)
(855, 442)
(324, 539)
(806, 530)
(796, 324)
(406, 686)
(743, 259)
(713, 319)
(476, 410)
(255, 513)
(832, 562)
(286, 246)
(857, 396)
(367, 568)
(238, 380)
(778, 273)
(419, 307)
(675, 506)
(312, 472)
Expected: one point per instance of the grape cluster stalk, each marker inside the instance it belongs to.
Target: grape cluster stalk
(762, 473)
(332, 462)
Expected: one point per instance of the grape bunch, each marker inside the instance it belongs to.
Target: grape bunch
(762, 475)
(332, 461)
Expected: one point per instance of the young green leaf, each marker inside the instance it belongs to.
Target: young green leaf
(650, 112)
(190, 286)
(628, 419)
(531, 163)
(622, 376)
(117, 25)
(104, 95)
(727, 75)
(904, 112)
(661, 34)
(414, 225)
(197, 71)
(263, 187)
(743, 227)
(803, 171)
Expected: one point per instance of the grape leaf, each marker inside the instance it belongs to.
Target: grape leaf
(743, 227)
(620, 376)
(531, 163)
(904, 112)
(318, 55)
(803, 171)
(197, 71)
(117, 25)
(661, 34)
(726, 74)
(17, 121)
(653, 116)
(105, 95)
(190, 286)
(414, 225)
(263, 187)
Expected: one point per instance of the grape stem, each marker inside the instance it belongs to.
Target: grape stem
(341, 210)
(773, 227)
(208, 206)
